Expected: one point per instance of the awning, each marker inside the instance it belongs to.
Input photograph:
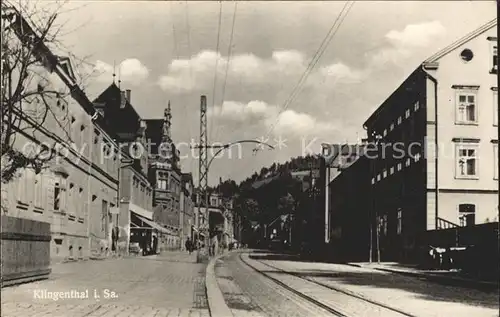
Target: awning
(153, 225)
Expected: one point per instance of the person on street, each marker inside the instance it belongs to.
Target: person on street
(189, 245)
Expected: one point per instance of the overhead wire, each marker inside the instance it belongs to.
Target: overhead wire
(229, 55)
(322, 48)
(210, 128)
(188, 33)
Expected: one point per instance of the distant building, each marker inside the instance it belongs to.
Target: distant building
(187, 216)
(444, 119)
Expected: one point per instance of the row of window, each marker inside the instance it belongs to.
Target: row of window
(396, 168)
(399, 121)
(466, 163)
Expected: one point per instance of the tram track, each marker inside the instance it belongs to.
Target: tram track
(319, 303)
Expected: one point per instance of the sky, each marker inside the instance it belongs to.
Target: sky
(173, 51)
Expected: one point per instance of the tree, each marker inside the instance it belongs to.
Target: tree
(30, 91)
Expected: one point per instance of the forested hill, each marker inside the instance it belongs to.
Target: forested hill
(229, 187)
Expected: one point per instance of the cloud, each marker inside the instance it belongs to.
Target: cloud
(264, 117)
(408, 42)
(416, 35)
(130, 71)
(285, 66)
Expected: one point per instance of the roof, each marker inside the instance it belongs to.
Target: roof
(461, 41)
(154, 133)
(433, 59)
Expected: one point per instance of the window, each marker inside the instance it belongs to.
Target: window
(407, 162)
(38, 196)
(416, 157)
(391, 170)
(391, 127)
(466, 110)
(213, 201)
(382, 224)
(400, 166)
(495, 108)
(400, 221)
(104, 217)
(466, 161)
(373, 180)
(416, 106)
(96, 136)
(162, 181)
(378, 177)
(467, 214)
(400, 120)
(407, 113)
(59, 196)
(494, 68)
(385, 132)
(384, 173)
(495, 161)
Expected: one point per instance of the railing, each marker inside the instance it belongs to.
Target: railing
(445, 224)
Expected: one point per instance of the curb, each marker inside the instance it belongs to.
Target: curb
(448, 280)
(216, 304)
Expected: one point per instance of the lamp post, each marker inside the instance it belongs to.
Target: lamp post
(220, 149)
(375, 139)
(118, 202)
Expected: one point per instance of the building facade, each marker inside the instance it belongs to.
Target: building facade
(350, 204)
(436, 161)
(187, 216)
(75, 190)
(135, 213)
(165, 176)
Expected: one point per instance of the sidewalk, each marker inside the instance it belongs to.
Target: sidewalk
(439, 276)
(166, 284)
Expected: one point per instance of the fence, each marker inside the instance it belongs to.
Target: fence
(25, 246)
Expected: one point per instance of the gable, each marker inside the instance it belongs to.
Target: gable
(67, 67)
(458, 43)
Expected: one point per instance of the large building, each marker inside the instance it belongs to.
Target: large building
(135, 213)
(436, 165)
(349, 203)
(76, 189)
(165, 176)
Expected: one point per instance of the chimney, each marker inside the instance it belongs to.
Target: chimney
(127, 94)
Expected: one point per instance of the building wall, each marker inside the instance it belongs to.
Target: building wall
(76, 220)
(454, 76)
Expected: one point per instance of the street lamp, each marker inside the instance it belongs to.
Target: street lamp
(222, 148)
(376, 137)
(118, 202)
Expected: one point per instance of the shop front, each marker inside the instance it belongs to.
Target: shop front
(146, 234)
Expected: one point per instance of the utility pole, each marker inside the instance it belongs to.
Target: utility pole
(203, 161)
(498, 132)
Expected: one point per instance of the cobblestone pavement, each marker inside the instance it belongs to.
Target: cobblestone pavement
(171, 284)
(248, 293)
(409, 294)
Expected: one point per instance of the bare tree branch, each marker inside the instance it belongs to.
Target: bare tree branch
(28, 31)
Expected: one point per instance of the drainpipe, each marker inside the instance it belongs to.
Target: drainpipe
(436, 147)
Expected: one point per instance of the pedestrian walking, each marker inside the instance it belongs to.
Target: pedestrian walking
(189, 245)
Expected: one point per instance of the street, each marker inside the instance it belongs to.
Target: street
(296, 288)
(162, 285)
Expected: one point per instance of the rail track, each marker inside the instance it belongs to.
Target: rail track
(336, 312)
